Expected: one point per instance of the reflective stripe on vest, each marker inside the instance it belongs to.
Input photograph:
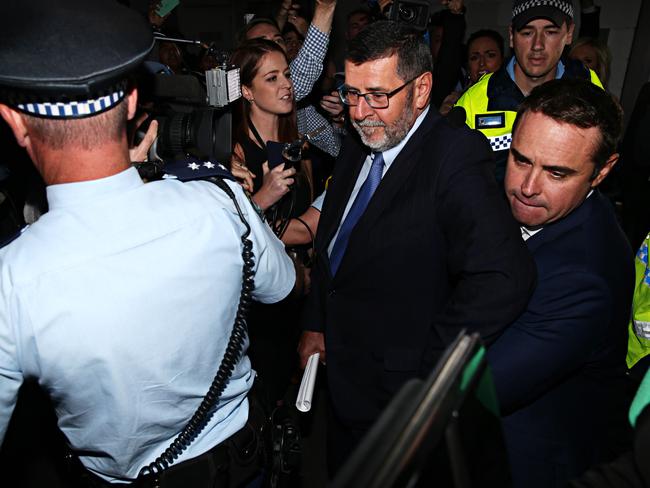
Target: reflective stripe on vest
(642, 329)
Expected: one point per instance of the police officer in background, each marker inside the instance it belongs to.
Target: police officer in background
(539, 32)
(122, 298)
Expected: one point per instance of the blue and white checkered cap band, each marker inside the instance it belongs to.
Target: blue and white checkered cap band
(564, 7)
(499, 143)
(71, 110)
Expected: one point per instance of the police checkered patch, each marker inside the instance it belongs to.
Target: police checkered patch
(500, 143)
(563, 6)
(71, 110)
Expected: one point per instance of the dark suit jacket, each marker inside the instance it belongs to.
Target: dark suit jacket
(435, 251)
(559, 369)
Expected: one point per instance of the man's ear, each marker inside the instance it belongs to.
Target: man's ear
(423, 90)
(132, 103)
(510, 34)
(604, 171)
(17, 124)
(570, 28)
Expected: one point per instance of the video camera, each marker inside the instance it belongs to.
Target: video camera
(415, 13)
(194, 118)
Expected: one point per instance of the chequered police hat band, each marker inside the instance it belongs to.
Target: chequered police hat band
(564, 7)
(69, 110)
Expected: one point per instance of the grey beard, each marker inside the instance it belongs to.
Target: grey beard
(393, 134)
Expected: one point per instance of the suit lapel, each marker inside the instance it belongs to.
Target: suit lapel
(393, 181)
(338, 194)
(403, 165)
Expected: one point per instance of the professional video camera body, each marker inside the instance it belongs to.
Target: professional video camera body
(194, 118)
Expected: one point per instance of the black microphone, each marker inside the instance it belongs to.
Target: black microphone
(457, 116)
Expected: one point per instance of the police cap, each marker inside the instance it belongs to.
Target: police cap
(557, 11)
(68, 58)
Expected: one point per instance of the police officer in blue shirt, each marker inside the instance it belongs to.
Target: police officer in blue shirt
(121, 299)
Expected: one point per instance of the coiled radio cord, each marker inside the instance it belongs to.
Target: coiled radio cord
(231, 357)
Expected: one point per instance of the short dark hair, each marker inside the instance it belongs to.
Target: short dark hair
(384, 38)
(289, 27)
(358, 11)
(581, 103)
(492, 34)
(243, 33)
(87, 133)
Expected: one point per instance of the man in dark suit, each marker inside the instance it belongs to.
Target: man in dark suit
(559, 370)
(415, 241)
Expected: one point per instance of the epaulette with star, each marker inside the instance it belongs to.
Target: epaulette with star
(196, 169)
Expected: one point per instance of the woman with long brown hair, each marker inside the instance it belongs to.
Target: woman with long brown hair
(263, 117)
(266, 114)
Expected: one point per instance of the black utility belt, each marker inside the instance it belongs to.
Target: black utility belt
(216, 467)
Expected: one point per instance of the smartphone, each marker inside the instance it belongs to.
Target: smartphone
(274, 153)
(166, 6)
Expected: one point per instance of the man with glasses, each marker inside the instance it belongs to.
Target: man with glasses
(414, 244)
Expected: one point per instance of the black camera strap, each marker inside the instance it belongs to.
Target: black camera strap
(231, 356)
(253, 129)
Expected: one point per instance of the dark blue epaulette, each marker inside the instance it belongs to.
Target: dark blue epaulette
(191, 168)
(11, 238)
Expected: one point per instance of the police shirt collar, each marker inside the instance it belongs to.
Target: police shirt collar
(559, 73)
(68, 194)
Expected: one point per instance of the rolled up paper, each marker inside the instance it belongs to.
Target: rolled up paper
(306, 391)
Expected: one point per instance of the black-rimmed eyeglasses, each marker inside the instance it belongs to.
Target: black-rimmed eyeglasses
(350, 96)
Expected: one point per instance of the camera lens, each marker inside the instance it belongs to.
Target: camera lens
(202, 133)
(407, 13)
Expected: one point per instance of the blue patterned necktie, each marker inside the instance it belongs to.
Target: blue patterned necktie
(356, 211)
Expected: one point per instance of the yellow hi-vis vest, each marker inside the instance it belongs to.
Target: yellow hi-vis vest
(495, 117)
(638, 344)
(496, 125)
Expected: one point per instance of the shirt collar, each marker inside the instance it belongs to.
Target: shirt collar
(391, 154)
(527, 233)
(66, 194)
(511, 69)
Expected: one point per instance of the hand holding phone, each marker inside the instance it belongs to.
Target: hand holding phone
(276, 184)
